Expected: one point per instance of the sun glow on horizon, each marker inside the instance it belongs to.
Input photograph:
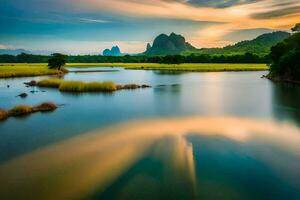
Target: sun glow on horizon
(133, 23)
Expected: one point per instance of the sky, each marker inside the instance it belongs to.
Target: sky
(90, 26)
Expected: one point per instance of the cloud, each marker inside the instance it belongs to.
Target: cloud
(213, 3)
(75, 47)
(277, 12)
(56, 19)
(101, 21)
(2, 46)
(229, 16)
(221, 17)
(219, 3)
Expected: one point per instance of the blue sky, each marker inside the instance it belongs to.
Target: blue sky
(89, 26)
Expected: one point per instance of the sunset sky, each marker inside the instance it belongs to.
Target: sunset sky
(89, 26)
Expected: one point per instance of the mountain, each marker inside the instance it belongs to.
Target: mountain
(260, 45)
(13, 51)
(114, 51)
(168, 45)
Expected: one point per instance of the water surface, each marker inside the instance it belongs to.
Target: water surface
(225, 135)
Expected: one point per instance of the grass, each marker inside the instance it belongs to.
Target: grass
(187, 67)
(45, 107)
(25, 70)
(3, 114)
(78, 86)
(38, 69)
(19, 110)
(52, 83)
(22, 110)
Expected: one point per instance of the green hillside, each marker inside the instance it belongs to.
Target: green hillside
(260, 45)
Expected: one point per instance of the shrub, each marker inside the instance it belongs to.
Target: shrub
(45, 107)
(3, 114)
(56, 61)
(19, 110)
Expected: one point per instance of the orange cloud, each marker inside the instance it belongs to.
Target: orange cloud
(232, 18)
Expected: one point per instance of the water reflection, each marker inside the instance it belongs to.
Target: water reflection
(164, 72)
(286, 102)
(161, 159)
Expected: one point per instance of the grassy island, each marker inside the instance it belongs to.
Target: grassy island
(79, 86)
(23, 110)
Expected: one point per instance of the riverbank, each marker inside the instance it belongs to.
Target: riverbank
(282, 79)
(12, 70)
(187, 67)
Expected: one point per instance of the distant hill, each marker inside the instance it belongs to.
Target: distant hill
(168, 45)
(260, 45)
(114, 51)
(13, 51)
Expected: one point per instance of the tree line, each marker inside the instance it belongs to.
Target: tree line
(169, 59)
(285, 56)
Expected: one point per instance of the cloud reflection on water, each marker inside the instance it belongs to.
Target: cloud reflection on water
(90, 163)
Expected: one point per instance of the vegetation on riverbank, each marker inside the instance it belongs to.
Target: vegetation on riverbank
(3, 114)
(193, 67)
(79, 86)
(27, 70)
(22, 110)
(40, 69)
(204, 67)
(165, 59)
(285, 64)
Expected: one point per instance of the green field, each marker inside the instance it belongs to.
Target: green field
(24, 70)
(38, 69)
(198, 67)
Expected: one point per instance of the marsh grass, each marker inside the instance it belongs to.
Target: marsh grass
(78, 86)
(96, 86)
(52, 83)
(185, 67)
(20, 110)
(71, 86)
(39, 69)
(25, 70)
(3, 114)
(23, 110)
(45, 107)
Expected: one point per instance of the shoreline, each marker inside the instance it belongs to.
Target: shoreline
(15, 70)
(277, 79)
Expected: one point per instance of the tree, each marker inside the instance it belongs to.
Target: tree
(296, 28)
(56, 61)
(285, 59)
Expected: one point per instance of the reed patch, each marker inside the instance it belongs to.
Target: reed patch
(23, 110)
(80, 87)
